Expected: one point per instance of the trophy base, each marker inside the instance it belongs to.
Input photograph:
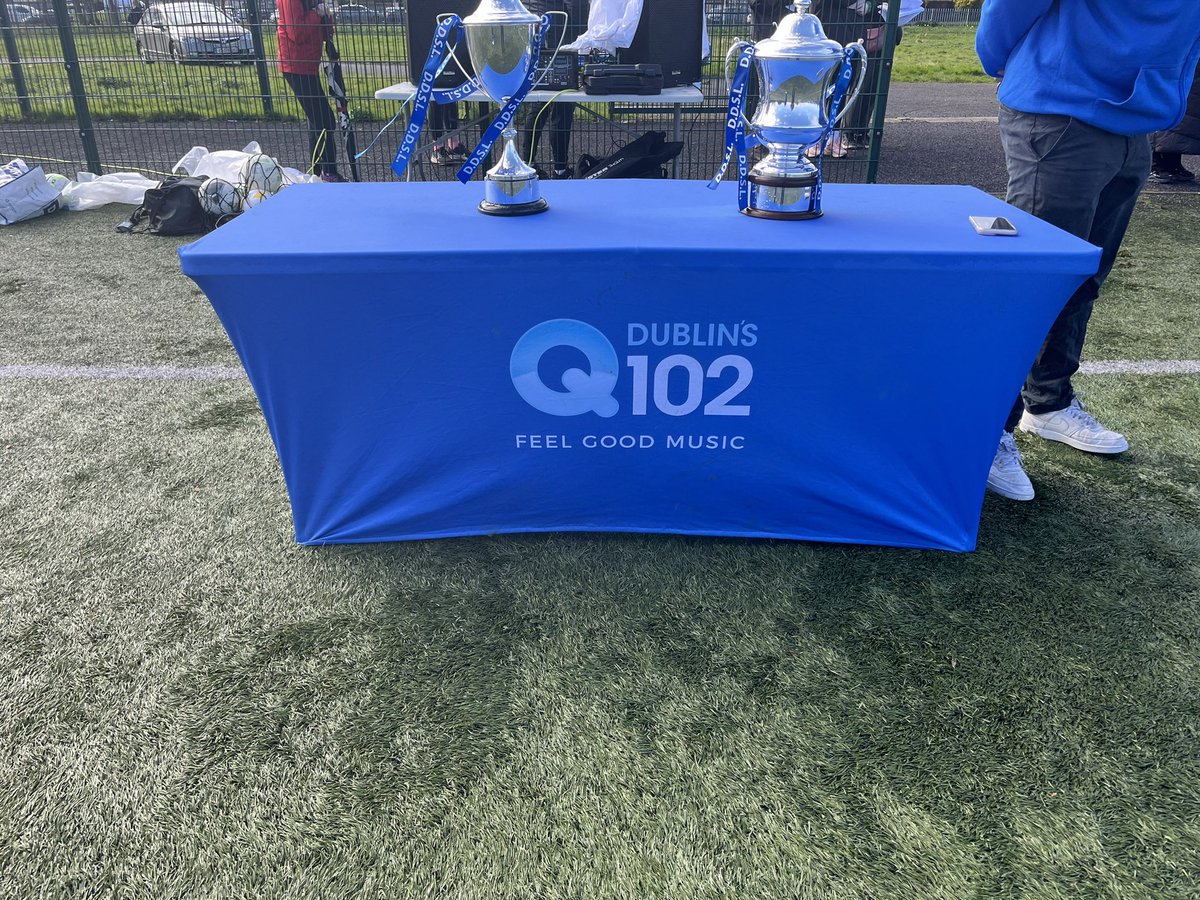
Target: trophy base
(780, 214)
(513, 209)
(785, 197)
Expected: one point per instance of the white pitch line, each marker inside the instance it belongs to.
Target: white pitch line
(940, 120)
(1141, 367)
(231, 373)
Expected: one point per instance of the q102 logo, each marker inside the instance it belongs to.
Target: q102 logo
(678, 385)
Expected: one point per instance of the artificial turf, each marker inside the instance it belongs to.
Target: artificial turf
(191, 705)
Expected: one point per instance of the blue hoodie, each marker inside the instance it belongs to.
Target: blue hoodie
(1123, 67)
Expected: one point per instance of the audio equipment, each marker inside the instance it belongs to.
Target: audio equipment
(669, 33)
(639, 78)
(562, 75)
(422, 22)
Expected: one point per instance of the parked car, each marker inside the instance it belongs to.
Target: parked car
(191, 32)
(394, 15)
(40, 18)
(353, 14)
(733, 13)
(19, 12)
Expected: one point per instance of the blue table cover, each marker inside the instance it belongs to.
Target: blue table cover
(639, 358)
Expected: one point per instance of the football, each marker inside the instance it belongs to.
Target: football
(262, 174)
(219, 198)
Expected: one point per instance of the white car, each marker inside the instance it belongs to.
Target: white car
(191, 32)
(19, 12)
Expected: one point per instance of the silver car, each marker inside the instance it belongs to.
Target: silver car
(191, 32)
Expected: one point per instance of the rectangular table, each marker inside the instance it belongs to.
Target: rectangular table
(677, 97)
(639, 358)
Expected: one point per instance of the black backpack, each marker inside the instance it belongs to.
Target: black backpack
(172, 207)
(643, 157)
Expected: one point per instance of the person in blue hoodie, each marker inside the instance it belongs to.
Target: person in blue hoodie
(1082, 85)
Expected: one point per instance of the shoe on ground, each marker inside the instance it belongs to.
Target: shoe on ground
(332, 178)
(1180, 174)
(560, 174)
(814, 151)
(1174, 175)
(440, 157)
(835, 148)
(1007, 476)
(1075, 427)
(456, 156)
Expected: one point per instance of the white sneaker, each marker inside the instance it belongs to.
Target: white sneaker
(1007, 476)
(1075, 427)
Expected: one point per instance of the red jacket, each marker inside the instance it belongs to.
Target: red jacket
(301, 35)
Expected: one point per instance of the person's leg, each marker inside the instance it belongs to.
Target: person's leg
(322, 147)
(859, 124)
(328, 124)
(562, 118)
(454, 142)
(436, 123)
(1085, 181)
(1167, 168)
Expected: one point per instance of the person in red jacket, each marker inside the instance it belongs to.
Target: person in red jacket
(302, 25)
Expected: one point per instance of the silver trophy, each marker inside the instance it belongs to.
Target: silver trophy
(798, 67)
(500, 40)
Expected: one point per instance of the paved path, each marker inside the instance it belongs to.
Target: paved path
(947, 134)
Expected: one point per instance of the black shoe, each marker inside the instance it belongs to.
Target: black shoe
(1175, 175)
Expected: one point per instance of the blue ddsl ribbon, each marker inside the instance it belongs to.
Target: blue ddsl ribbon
(425, 90)
(736, 139)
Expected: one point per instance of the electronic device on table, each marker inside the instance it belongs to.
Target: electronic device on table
(643, 78)
(992, 225)
(559, 73)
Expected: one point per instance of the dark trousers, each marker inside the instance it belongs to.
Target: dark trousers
(1086, 181)
(322, 128)
(558, 119)
(443, 120)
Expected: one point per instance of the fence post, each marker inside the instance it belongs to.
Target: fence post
(883, 85)
(83, 116)
(260, 57)
(14, 61)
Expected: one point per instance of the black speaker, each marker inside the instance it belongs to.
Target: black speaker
(669, 33)
(422, 22)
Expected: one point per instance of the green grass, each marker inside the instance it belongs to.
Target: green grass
(193, 706)
(943, 54)
(119, 87)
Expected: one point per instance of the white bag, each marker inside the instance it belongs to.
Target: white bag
(90, 191)
(25, 193)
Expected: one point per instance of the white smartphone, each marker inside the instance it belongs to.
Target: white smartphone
(992, 225)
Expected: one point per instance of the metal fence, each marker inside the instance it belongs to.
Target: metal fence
(945, 16)
(85, 90)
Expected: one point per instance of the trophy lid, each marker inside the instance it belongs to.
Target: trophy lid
(799, 36)
(501, 12)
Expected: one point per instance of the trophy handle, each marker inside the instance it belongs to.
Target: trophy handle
(562, 38)
(852, 94)
(734, 49)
